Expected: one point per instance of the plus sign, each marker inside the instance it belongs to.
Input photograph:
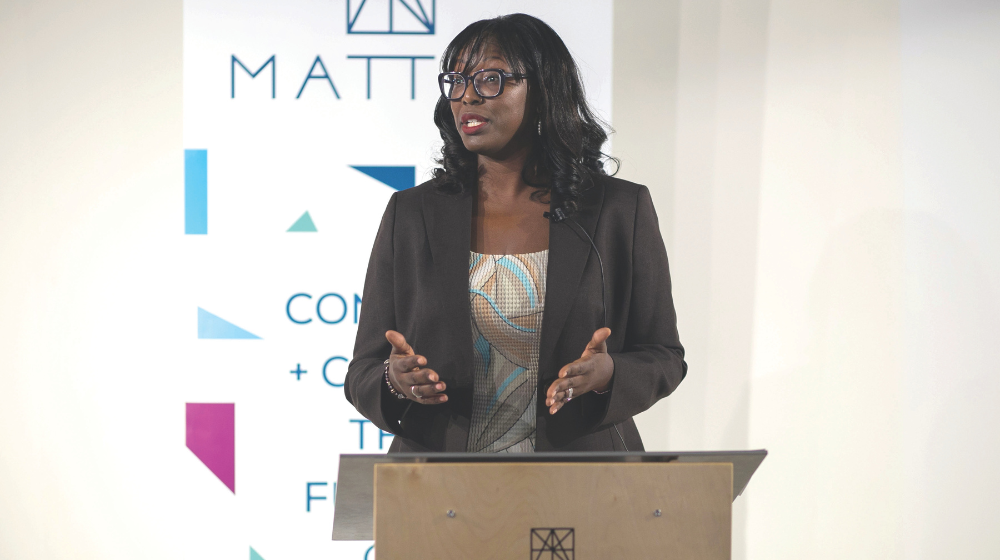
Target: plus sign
(298, 371)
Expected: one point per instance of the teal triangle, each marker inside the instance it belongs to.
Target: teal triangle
(254, 555)
(399, 177)
(213, 326)
(305, 223)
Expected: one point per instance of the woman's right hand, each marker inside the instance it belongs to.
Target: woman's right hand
(408, 374)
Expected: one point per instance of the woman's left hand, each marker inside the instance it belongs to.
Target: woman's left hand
(591, 372)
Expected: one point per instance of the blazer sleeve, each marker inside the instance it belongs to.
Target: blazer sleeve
(364, 385)
(651, 364)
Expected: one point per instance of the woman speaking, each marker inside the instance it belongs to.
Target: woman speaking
(520, 300)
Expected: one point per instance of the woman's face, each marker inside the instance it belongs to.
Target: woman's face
(493, 127)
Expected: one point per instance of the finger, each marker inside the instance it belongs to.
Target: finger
(574, 369)
(556, 407)
(398, 342)
(556, 398)
(599, 342)
(427, 390)
(408, 363)
(427, 394)
(425, 376)
(560, 385)
(559, 389)
(554, 388)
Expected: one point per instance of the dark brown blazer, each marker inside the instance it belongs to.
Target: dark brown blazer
(418, 284)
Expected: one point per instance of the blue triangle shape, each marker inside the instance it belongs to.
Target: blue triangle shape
(254, 555)
(213, 326)
(399, 177)
(304, 223)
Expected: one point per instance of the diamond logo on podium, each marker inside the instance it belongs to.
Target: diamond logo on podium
(552, 544)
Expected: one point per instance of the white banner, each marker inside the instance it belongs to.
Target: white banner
(300, 120)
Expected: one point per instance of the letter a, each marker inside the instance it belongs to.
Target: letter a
(324, 76)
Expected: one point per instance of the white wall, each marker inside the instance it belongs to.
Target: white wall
(829, 194)
(951, 177)
(90, 137)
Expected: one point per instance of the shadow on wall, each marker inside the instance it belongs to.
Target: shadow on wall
(833, 424)
(885, 440)
(951, 395)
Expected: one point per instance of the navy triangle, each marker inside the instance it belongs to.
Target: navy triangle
(399, 177)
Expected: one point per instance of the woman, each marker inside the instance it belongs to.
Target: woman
(477, 307)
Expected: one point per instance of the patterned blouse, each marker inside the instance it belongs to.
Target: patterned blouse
(507, 296)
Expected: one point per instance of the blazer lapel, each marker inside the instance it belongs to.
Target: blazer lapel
(569, 251)
(448, 221)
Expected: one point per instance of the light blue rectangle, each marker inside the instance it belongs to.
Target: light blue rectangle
(196, 192)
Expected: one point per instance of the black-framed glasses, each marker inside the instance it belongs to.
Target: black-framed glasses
(487, 82)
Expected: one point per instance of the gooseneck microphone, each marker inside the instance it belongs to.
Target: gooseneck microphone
(558, 215)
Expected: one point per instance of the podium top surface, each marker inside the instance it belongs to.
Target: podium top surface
(353, 510)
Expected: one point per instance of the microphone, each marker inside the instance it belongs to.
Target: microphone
(558, 215)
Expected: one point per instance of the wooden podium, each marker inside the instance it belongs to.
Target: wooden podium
(575, 506)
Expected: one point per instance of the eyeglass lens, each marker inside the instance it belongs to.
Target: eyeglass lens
(487, 84)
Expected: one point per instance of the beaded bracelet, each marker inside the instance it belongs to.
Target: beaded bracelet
(392, 389)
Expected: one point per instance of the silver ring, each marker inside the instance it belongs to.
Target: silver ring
(412, 392)
(569, 394)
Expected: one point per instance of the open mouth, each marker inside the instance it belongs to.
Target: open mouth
(472, 123)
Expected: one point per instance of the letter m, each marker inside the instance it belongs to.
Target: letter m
(232, 74)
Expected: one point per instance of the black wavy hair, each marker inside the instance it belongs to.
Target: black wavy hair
(564, 159)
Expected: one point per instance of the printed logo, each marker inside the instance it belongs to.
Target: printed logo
(552, 544)
(391, 17)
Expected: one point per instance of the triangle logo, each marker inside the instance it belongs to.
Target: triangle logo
(399, 177)
(213, 326)
(304, 223)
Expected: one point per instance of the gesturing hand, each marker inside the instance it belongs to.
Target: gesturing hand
(591, 372)
(408, 374)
